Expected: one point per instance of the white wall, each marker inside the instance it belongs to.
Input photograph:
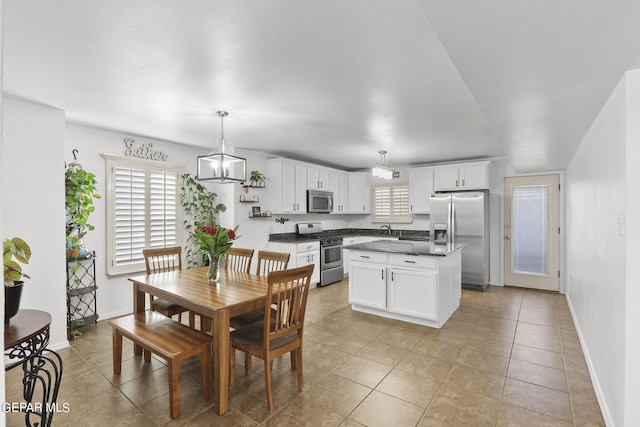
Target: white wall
(601, 180)
(114, 295)
(33, 204)
(632, 313)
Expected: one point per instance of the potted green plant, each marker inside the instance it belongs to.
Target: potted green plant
(257, 178)
(80, 188)
(14, 251)
(200, 210)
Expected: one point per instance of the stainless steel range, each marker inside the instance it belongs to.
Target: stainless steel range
(331, 261)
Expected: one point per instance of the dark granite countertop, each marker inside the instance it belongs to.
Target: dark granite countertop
(408, 247)
(348, 232)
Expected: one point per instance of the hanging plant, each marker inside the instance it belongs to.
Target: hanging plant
(80, 187)
(200, 210)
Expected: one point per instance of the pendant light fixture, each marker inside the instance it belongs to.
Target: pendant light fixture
(383, 171)
(222, 165)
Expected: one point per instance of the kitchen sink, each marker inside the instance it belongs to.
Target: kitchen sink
(392, 246)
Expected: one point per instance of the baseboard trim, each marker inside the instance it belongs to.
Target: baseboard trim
(606, 414)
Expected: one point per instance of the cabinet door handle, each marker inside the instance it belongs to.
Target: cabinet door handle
(382, 273)
(364, 256)
(463, 182)
(392, 276)
(456, 182)
(410, 262)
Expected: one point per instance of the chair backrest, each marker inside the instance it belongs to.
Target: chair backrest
(163, 259)
(271, 261)
(239, 259)
(287, 293)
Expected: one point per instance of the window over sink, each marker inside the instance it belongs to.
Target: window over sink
(391, 203)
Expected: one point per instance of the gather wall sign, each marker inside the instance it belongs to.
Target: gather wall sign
(143, 151)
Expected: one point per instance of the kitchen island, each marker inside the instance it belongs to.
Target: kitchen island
(412, 281)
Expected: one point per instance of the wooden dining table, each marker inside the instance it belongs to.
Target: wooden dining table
(235, 293)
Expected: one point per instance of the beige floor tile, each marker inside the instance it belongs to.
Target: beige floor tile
(537, 374)
(426, 366)
(459, 404)
(409, 387)
(537, 398)
(339, 393)
(363, 371)
(538, 356)
(305, 411)
(476, 381)
(379, 409)
(538, 341)
(586, 412)
(511, 416)
(380, 352)
(433, 345)
(483, 361)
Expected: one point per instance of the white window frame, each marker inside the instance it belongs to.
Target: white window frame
(398, 196)
(148, 166)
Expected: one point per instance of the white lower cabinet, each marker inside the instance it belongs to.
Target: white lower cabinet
(413, 293)
(301, 254)
(371, 290)
(418, 289)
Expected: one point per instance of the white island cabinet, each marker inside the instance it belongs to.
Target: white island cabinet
(418, 282)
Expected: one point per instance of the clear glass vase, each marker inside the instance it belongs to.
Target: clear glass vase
(216, 262)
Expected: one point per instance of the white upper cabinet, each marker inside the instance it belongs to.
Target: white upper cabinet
(339, 185)
(318, 179)
(463, 176)
(359, 193)
(288, 192)
(420, 189)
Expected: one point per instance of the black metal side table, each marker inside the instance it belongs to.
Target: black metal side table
(25, 342)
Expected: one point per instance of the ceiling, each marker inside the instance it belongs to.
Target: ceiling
(331, 81)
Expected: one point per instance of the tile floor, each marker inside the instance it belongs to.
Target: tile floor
(507, 357)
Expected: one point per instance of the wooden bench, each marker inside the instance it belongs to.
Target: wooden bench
(168, 339)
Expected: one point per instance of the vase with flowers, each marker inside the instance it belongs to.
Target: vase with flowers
(215, 242)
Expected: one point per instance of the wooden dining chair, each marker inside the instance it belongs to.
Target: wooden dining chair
(160, 260)
(239, 259)
(280, 332)
(271, 261)
(267, 262)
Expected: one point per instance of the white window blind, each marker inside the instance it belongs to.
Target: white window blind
(142, 211)
(391, 203)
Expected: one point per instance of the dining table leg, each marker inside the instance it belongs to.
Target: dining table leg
(221, 346)
(138, 307)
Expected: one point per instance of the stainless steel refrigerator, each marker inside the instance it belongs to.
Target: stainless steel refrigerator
(463, 217)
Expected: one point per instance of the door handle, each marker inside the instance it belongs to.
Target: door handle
(507, 237)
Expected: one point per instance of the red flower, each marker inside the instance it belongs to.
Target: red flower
(232, 235)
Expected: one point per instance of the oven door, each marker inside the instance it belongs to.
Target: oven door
(330, 257)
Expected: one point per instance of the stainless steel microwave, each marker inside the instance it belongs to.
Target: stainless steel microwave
(319, 201)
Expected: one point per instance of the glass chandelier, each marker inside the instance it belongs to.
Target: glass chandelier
(222, 165)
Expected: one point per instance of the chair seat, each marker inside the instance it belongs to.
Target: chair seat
(253, 336)
(164, 306)
(249, 318)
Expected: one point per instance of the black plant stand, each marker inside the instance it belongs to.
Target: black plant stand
(81, 292)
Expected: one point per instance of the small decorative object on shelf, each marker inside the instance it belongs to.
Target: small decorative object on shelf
(282, 220)
(257, 179)
(255, 211)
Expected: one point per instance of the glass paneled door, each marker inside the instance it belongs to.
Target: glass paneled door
(532, 232)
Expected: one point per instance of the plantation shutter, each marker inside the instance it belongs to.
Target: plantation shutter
(129, 215)
(391, 203)
(163, 207)
(142, 211)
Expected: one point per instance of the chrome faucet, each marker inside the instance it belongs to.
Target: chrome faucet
(387, 226)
